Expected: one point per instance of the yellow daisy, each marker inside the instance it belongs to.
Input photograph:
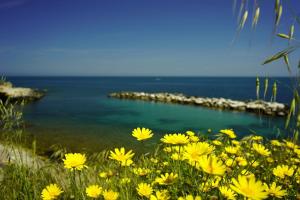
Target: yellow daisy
(217, 142)
(110, 195)
(142, 133)
(257, 138)
(241, 161)
(166, 179)
(93, 191)
(249, 187)
(254, 163)
(297, 151)
(229, 132)
(176, 139)
(177, 156)
(232, 150)
(210, 184)
(141, 171)
(74, 161)
(51, 192)
(144, 189)
(275, 191)
(230, 162)
(276, 143)
(261, 149)
(283, 170)
(160, 195)
(193, 151)
(106, 174)
(121, 156)
(224, 156)
(211, 165)
(190, 133)
(291, 145)
(194, 138)
(235, 142)
(227, 193)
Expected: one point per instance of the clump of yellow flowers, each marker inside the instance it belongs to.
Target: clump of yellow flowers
(188, 166)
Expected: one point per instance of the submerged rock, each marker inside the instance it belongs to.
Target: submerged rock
(257, 106)
(7, 91)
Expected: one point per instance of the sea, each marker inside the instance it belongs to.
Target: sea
(77, 113)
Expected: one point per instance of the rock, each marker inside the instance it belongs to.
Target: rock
(237, 105)
(281, 114)
(198, 101)
(256, 106)
(19, 93)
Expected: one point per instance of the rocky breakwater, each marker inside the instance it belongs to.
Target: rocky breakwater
(257, 106)
(7, 91)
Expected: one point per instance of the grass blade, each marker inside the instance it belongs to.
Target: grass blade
(285, 36)
(266, 87)
(278, 15)
(257, 87)
(243, 20)
(279, 55)
(256, 17)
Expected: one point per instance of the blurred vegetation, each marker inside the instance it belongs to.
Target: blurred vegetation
(281, 8)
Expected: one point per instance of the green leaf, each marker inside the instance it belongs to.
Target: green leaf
(274, 91)
(283, 36)
(257, 87)
(278, 15)
(266, 87)
(279, 55)
(243, 20)
(277, 2)
(287, 63)
(292, 111)
(256, 17)
(291, 34)
(296, 136)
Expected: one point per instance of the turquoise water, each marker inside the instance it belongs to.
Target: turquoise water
(78, 114)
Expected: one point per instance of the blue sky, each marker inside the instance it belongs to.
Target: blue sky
(136, 37)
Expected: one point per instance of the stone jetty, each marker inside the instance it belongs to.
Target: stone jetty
(7, 90)
(256, 106)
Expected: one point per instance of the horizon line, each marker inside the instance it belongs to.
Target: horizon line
(152, 76)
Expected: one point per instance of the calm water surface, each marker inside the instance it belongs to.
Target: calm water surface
(77, 113)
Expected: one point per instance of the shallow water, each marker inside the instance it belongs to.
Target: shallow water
(77, 113)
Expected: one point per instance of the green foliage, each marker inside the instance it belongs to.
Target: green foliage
(279, 55)
(266, 87)
(293, 45)
(256, 17)
(2, 80)
(11, 116)
(23, 181)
